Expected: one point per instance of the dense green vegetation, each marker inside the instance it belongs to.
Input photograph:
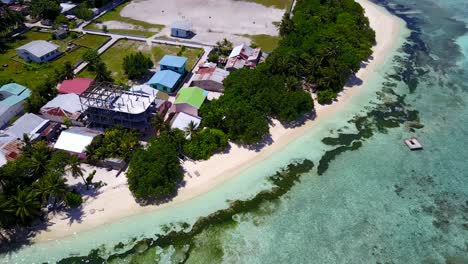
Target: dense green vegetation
(322, 45)
(114, 143)
(9, 21)
(155, 172)
(203, 144)
(45, 9)
(136, 65)
(33, 181)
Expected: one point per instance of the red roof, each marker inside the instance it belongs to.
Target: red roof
(76, 86)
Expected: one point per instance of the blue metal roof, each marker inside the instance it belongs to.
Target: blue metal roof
(173, 61)
(15, 94)
(166, 78)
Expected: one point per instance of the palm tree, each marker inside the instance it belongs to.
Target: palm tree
(24, 205)
(57, 187)
(74, 167)
(42, 189)
(191, 129)
(27, 148)
(158, 124)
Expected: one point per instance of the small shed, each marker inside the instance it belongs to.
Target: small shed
(165, 81)
(182, 120)
(60, 33)
(173, 63)
(181, 29)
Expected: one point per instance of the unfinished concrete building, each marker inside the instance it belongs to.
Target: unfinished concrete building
(109, 105)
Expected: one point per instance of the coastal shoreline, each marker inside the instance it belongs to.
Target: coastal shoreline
(115, 201)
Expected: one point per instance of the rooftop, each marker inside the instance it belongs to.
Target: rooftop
(39, 48)
(109, 96)
(181, 120)
(173, 61)
(184, 25)
(166, 78)
(194, 96)
(29, 124)
(64, 105)
(76, 139)
(208, 71)
(66, 7)
(76, 86)
(13, 93)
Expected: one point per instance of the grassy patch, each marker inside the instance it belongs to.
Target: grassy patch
(91, 41)
(113, 57)
(266, 42)
(32, 74)
(141, 28)
(281, 4)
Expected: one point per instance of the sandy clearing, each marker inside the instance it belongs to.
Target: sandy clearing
(212, 19)
(116, 202)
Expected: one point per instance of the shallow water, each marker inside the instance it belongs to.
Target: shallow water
(375, 203)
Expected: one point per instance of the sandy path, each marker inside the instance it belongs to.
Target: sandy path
(117, 202)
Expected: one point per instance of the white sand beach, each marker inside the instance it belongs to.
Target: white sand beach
(115, 201)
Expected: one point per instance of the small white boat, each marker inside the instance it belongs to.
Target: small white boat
(413, 143)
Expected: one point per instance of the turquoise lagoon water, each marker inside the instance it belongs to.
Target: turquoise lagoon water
(367, 200)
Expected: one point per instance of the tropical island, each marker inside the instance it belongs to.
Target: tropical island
(84, 125)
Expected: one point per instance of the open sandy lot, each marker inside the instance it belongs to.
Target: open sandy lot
(212, 19)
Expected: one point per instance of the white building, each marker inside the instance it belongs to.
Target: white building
(75, 140)
(182, 120)
(38, 51)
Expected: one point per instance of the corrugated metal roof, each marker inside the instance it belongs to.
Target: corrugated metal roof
(76, 86)
(173, 61)
(27, 124)
(39, 48)
(76, 139)
(68, 102)
(182, 120)
(13, 94)
(184, 25)
(166, 78)
(194, 96)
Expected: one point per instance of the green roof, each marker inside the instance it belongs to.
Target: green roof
(194, 96)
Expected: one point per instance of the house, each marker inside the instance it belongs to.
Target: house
(189, 100)
(75, 140)
(173, 63)
(182, 120)
(109, 105)
(60, 33)
(34, 126)
(22, 9)
(67, 8)
(75, 86)
(181, 29)
(243, 56)
(165, 81)
(210, 78)
(38, 51)
(12, 97)
(10, 149)
(64, 106)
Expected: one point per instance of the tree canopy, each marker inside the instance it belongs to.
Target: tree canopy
(136, 65)
(155, 172)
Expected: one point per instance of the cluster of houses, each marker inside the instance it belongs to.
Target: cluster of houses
(84, 108)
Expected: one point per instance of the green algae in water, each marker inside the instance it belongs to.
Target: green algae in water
(184, 242)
